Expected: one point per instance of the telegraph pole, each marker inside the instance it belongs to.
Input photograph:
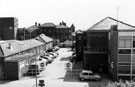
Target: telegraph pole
(117, 15)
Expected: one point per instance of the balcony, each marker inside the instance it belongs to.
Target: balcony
(95, 49)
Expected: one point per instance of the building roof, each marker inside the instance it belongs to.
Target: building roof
(79, 31)
(32, 28)
(11, 47)
(61, 26)
(31, 41)
(48, 25)
(106, 23)
(19, 57)
(45, 38)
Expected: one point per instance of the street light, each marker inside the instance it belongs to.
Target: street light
(35, 57)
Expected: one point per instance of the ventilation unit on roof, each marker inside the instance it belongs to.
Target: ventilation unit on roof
(9, 46)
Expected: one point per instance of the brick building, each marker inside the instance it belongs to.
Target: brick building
(108, 47)
(58, 32)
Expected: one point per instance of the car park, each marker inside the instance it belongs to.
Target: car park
(35, 68)
(49, 55)
(49, 59)
(89, 75)
(53, 53)
(56, 48)
(43, 63)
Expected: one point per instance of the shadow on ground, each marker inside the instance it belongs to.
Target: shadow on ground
(6, 81)
(73, 76)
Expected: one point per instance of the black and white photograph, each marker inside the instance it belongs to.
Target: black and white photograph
(67, 43)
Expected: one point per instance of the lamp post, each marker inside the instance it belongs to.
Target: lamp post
(35, 57)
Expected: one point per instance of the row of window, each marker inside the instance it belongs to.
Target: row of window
(126, 69)
(126, 41)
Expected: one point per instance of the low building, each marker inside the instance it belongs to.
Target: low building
(14, 50)
(15, 67)
(48, 42)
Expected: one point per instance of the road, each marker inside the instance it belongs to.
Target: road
(53, 75)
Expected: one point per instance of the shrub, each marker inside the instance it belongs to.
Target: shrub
(121, 83)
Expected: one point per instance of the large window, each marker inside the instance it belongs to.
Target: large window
(124, 42)
(133, 41)
(124, 69)
(125, 58)
(124, 51)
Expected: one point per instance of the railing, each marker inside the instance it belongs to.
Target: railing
(95, 49)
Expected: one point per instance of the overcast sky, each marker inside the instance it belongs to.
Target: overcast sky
(82, 13)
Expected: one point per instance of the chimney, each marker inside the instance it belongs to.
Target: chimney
(39, 24)
(35, 23)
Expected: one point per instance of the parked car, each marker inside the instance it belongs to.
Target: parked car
(34, 69)
(43, 63)
(49, 59)
(53, 53)
(89, 75)
(49, 55)
(56, 48)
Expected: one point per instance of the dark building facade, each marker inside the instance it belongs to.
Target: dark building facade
(8, 28)
(58, 32)
(108, 47)
(28, 33)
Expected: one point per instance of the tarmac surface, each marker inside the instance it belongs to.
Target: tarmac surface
(57, 74)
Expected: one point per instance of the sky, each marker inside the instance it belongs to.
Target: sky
(82, 13)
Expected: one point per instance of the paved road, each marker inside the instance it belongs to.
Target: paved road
(53, 75)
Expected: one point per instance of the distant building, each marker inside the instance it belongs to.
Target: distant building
(8, 28)
(48, 42)
(109, 47)
(58, 32)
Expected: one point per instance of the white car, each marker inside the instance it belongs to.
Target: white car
(54, 54)
(49, 55)
(89, 75)
(49, 59)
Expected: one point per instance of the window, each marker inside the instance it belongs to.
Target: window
(124, 42)
(133, 69)
(133, 41)
(84, 73)
(90, 73)
(123, 69)
(124, 58)
(124, 51)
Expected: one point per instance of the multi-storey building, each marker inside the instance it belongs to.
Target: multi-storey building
(8, 28)
(60, 32)
(109, 47)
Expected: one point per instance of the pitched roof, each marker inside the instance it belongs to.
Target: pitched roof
(11, 47)
(45, 38)
(48, 25)
(61, 26)
(79, 31)
(32, 28)
(31, 41)
(20, 57)
(106, 23)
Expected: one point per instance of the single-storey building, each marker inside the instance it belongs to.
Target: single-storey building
(16, 51)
